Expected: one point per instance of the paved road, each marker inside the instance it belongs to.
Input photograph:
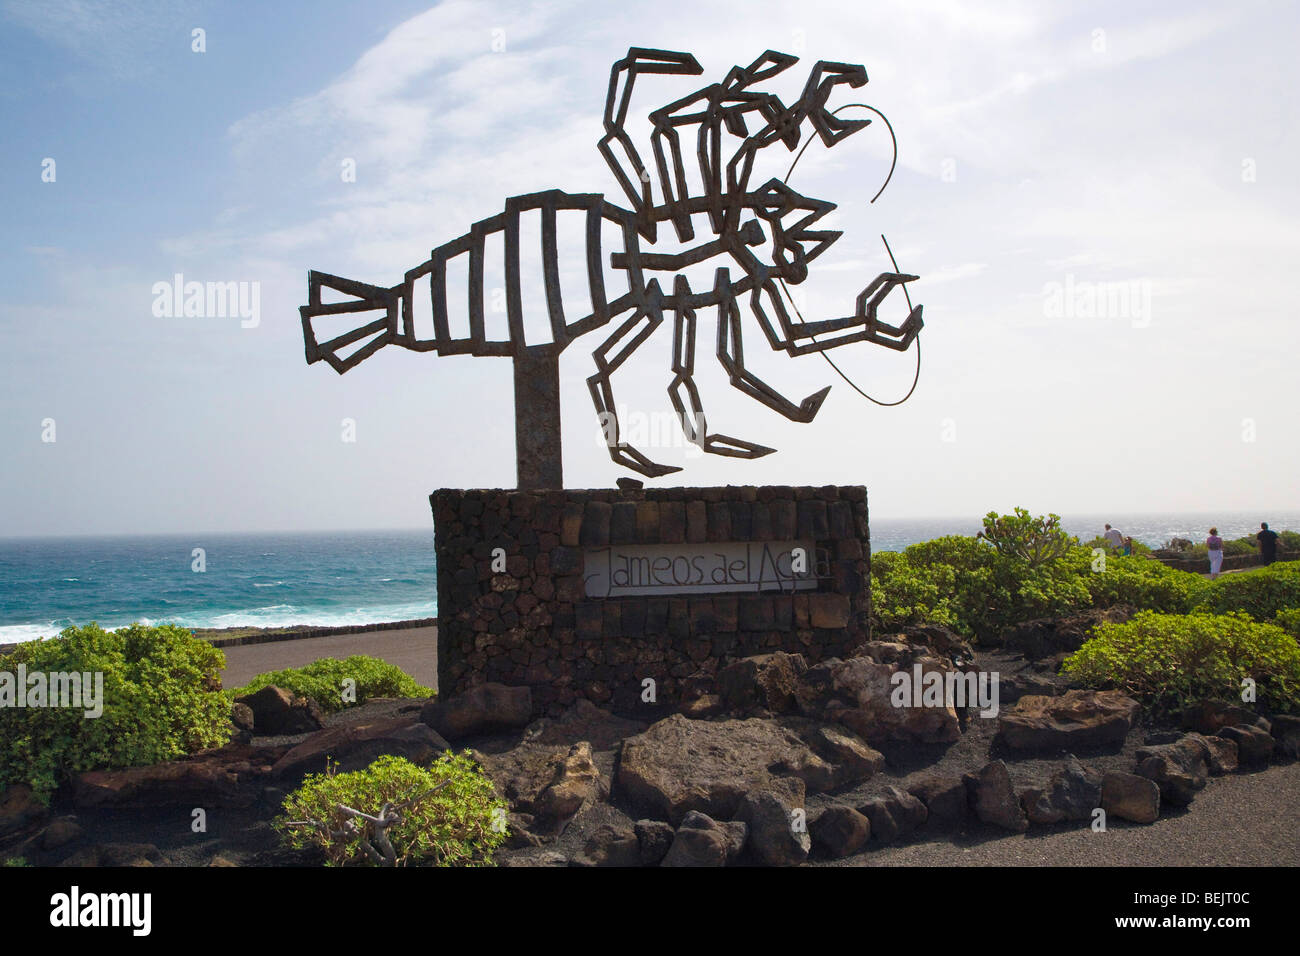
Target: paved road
(1240, 820)
(414, 650)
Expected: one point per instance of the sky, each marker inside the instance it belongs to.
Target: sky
(1099, 199)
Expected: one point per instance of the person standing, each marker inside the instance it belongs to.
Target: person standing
(1267, 543)
(1113, 537)
(1214, 544)
(1128, 546)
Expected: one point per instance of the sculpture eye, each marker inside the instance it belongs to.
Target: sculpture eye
(770, 205)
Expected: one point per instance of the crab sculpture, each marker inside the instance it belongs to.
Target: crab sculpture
(759, 237)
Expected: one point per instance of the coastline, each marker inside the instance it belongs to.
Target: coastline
(241, 635)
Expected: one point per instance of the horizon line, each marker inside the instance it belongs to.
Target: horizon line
(1114, 514)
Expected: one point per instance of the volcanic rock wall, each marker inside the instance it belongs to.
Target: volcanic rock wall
(513, 606)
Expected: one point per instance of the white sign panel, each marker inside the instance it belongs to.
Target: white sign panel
(620, 570)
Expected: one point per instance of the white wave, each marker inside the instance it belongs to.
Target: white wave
(17, 633)
(287, 616)
(275, 615)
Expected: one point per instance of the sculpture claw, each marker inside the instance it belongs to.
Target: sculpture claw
(811, 405)
(629, 457)
(735, 447)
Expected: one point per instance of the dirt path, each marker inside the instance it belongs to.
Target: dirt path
(414, 650)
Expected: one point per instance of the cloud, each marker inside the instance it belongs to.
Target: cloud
(432, 79)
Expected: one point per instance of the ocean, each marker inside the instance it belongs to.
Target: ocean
(348, 578)
(263, 580)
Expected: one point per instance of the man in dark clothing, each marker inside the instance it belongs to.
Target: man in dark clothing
(1267, 543)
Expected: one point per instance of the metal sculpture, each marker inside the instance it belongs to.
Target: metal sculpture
(739, 219)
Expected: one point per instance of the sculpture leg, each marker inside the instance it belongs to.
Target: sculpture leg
(693, 423)
(731, 355)
(644, 322)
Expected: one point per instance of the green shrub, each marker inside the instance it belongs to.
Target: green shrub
(905, 595)
(14, 861)
(1238, 546)
(1260, 593)
(161, 699)
(462, 824)
(963, 570)
(1289, 620)
(1035, 541)
(1023, 567)
(1144, 583)
(1169, 660)
(1100, 542)
(323, 681)
(931, 583)
(1048, 591)
(961, 552)
(1288, 542)
(966, 583)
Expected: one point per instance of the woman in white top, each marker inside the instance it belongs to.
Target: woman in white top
(1215, 545)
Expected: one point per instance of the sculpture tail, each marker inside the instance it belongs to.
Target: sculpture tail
(381, 330)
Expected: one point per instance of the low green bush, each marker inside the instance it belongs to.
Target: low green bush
(324, 681)
(161, 699)
(904, 594)
(461, 824)
(1100, 542)
(1170, 660)
(1023, 567)
(1261, 593)
(968, 584)
(1238, 546)
(932, 582)
(1058, 588)
(1289, 620)
(1142, 582)
(1035, 541)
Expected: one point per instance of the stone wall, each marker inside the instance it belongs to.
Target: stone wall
(534, 625)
